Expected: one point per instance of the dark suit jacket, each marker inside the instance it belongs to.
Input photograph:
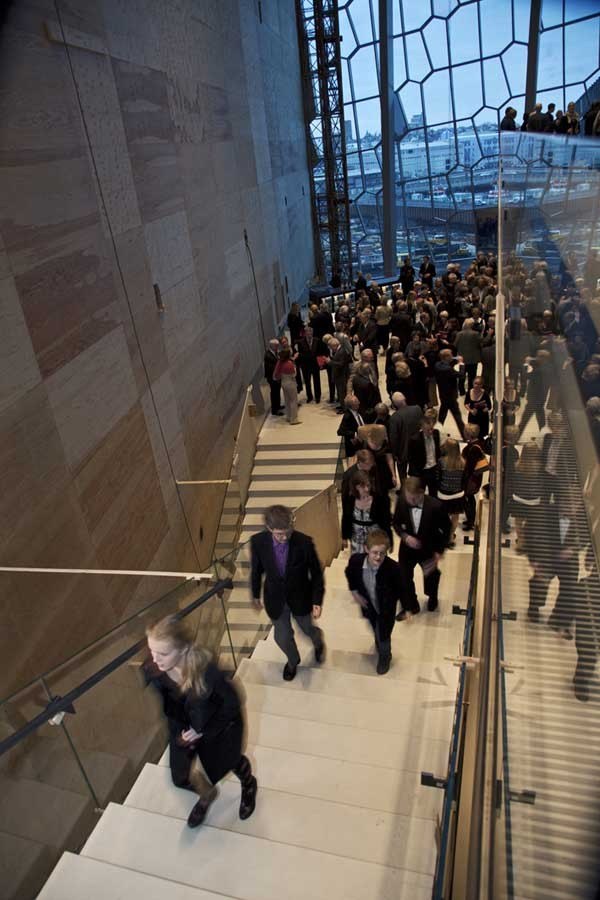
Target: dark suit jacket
(389, 590)
(416, 452)
(302, 586)
(270, 363)
(322, 323)
(307, 356)
(367, 393)
(347, 429)
(434, 528)
(404, 424)
(447, 381)
(367, 335)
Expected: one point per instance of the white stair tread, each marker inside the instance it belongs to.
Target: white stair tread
(77, 877)
(394, 751)
(378, 718)
(305, 488)
(427, 684)
(355, 784)
(337, 828)
(288, 473)
(261, 503)
(357, 663)
(282, 453)
(241, 865)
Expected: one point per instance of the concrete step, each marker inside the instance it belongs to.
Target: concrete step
(76, 877)
(160, 846)
(425, 685)
(356, 663)
(293, 459)
(416, 718)
(364, 834)
(283, 472)
(398, 751)
(273, 487)
(266, 446)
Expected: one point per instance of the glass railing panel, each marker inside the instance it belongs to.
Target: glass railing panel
(245, 625)
(550, 724)
(47, 805)
(117, 725)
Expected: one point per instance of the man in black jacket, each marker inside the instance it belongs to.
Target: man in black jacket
(367, 393)
(309, 348)
(271, 358)
(424, 530)
(447, 378)
(293, 585)
(424, 454)
(376, 584)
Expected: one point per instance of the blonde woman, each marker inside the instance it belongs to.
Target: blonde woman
(451, 483)
(204, 717)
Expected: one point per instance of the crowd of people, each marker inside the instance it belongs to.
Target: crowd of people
(431, 342)
(553, 120)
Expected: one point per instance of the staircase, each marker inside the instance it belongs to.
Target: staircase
(338, 754)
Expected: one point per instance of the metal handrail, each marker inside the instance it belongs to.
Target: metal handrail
(64, 704)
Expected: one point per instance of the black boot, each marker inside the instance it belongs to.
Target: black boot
(249, 787)
(199, 811)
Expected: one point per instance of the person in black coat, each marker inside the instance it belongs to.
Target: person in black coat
(367, 392)
(309, 348)
(204, 717)
(424, 530)
(427, 272)
(349, 425)
(424, 454)
(376, 584)
(362, 511)
(271, 357)
(407, 276)
(447, 378)
(293, 583)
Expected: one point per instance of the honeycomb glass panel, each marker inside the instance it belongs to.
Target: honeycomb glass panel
(436, 39)
(468, 98)
(464, 34)
(496, 27)
(515, 65)
(437, 94)
(365, 19)
(581, 49)
(418, 63)
(363, 65)
(496, 89)
(552, 11)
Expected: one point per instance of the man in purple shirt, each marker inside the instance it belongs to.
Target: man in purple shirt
(293, 583)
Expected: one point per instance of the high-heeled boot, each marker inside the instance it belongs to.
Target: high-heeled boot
(243, 770)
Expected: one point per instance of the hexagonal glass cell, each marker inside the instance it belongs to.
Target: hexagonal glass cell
(521, 16)
(575, 9)
(582, 41)
(467, 92)
(418, 63)
(496, 88)
(365, 80)
(442, 155)
(410, 98)
(515, 64)
(496, 26)
(463, 28)
(436, 40)
(399, 54)
(438, 97)
(409, 15)
(365, 17)
(368, 118)
(347, 34)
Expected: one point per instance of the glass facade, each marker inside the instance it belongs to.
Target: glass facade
(456, 66)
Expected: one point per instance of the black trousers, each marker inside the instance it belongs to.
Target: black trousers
(531, 409)
(407, 560)
(470, 508)
(451, 405)
(331, 384)
(470, 372)
(275, 388)
(585, 641)
(429, 477)
(312, 377)
(564, 611)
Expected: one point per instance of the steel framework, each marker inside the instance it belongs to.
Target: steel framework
(319, 32)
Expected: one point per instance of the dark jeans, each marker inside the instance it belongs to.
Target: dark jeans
(429, 477)
(312, 376)
(384, 647)
(331, 384)
(408, 559)
(470, 507)
(383, 336)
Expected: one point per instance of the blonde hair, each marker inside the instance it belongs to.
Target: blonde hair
(194, 659)
(451, 456)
